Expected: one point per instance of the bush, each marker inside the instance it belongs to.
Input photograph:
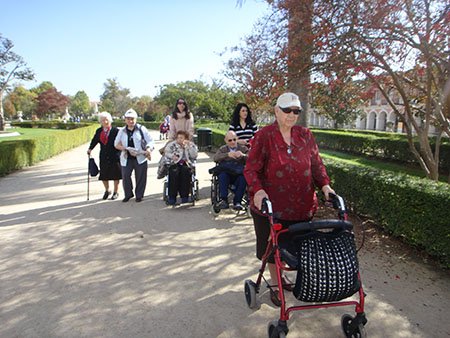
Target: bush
(413, 208)
(50, 124)
(385, 146)
(21, 153)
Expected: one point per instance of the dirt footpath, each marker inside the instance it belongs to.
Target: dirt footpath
(76, 268)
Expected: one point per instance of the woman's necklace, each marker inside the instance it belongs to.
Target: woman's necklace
(289, 150)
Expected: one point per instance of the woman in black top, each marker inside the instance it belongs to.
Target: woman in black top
(109, 155)
(242, 124)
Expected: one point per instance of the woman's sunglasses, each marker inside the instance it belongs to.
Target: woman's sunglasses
(181, 103)
(288, 110)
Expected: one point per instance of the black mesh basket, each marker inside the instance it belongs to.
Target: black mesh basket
(327, 268)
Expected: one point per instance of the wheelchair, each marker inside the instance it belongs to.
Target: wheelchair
(215, 196)
(193, 192)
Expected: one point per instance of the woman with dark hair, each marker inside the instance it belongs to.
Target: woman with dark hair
(181, 119)
(242, 123)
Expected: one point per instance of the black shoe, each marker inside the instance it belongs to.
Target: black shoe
(106, 194)
(114, 196)
(287, 284)
(238, 207)
(138, 199)
(274, 298)
(126, 199)
(223, 204)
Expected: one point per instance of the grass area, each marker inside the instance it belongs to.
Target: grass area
(383, 165)
(28, 133)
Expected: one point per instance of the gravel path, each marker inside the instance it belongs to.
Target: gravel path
(76, 268)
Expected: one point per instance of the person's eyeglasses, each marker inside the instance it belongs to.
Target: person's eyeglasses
(181, 103)
(288, 110)
(231, 140)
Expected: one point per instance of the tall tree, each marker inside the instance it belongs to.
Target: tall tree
(214, 101)
(12, 67)
(402, 46)
(23, 100)
(115, 99)
(79, 104)
(51, 101)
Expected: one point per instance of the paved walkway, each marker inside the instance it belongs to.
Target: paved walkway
(76, 268)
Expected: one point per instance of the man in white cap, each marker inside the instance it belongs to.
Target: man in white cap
(136, 145)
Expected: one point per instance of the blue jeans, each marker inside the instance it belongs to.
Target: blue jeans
(239, 183)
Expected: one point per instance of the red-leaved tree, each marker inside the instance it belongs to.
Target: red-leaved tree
(51, 101)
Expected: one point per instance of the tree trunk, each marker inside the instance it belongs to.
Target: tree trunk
(300, 44)
(2, 116)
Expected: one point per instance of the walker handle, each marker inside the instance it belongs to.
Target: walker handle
(321, 225)
(266, 206)
(338, 203)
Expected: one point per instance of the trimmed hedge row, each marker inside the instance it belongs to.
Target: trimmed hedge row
(21, 153)
(50, 124)
(413, 208)
(384, 146)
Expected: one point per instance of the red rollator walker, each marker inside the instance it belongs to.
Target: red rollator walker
(323, 252)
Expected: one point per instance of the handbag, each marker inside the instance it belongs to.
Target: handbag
(327, 268)
(93, 169)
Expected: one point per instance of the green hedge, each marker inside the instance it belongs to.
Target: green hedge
(385, 146)
(50, 124)
(148, 125)
(413, 208)
(21, 153)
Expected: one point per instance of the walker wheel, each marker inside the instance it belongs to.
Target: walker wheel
(352, 331)
(250, 294)
(274, 330)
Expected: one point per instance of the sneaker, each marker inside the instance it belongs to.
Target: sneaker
(114, 196)
(171, 200)
(184, 199)
(223, 204)
(106, 194)
(238, 207)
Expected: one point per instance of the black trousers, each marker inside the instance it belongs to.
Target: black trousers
(179, 180)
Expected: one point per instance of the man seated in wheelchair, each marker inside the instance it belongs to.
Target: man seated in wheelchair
(180, 156)
(230, 159)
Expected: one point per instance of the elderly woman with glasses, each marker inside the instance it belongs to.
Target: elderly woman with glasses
(284, 166)
(181, 119)
(109, 155)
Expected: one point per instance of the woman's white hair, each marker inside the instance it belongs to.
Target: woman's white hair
(106, 115)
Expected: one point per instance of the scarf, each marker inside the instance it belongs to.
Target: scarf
(104, 135)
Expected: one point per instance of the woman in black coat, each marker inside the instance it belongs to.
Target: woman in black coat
(109, 155)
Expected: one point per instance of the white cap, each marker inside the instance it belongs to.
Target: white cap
(287, 100)
(131, 113)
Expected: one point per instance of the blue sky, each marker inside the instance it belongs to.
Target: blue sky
(77, 45)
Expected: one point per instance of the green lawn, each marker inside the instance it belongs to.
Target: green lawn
(28, 133)
(362, 161)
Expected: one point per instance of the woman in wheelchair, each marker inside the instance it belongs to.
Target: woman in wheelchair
(180, 154)
(231, 159)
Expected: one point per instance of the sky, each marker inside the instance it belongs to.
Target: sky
(144, 44)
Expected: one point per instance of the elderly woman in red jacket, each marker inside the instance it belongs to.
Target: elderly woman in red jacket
(284, 166)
